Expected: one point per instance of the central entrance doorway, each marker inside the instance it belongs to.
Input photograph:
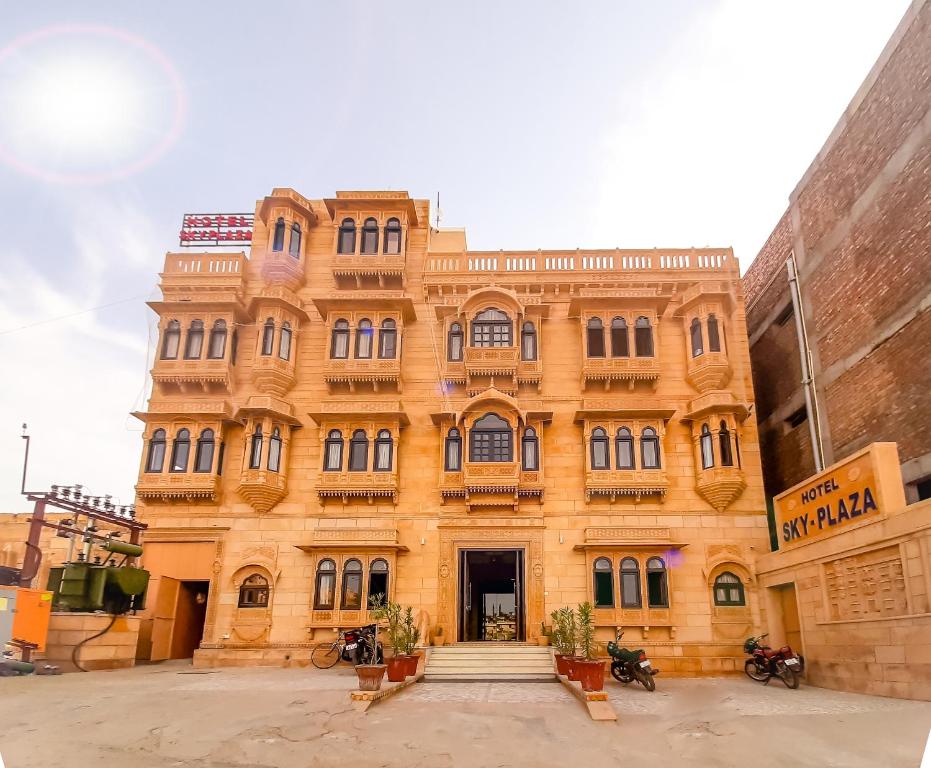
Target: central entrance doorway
(491, 595)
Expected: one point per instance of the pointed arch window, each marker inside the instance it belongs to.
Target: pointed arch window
(643, 337)
(530, 450)
(203, 458)
(384, 449)
(339, 344)
(364, 334)
(388, 340)
(171, 340)
(624, 449)
(630, 583)
(268, 337)
(595, 337)
(649, 449)
(454, 343)
(370, 236)
(603, 583)
(346, 241)
(490, 439)
(274, 451)
(351, 592)
(724, 445)
(729, 590)
(195, 340)
(714, 337)
(378, 579)
(253, 592)
(393, 236)
(255, 448)
(333, 451)
(491, 328)
(657, 586)
(528, 341)
(278, 239)
(599, 449)
(216, 347)
(284, 341)
(453, 452)
(181, 451)
(294, 244)
(359, 451)
(695, 333)
(620, 344)
(156, 458)
(706, 442)
(325, 588)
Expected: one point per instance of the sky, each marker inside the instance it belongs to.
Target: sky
(541, 124)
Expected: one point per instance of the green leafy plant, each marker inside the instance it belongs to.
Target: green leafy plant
(564, 631)
(391, 612)
(586, 630)
(411, 635)
(378, 606)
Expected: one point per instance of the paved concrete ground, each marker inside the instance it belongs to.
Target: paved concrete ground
(171, 715)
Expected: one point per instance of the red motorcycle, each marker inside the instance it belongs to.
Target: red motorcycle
(765, 663)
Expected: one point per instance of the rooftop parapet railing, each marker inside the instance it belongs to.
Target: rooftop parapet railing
(207, 264)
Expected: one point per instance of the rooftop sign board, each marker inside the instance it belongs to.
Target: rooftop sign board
(200, 229)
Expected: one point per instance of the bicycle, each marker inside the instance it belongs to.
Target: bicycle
(354, 646)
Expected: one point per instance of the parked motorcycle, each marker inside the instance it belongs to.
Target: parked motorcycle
(765, 663)
(627, 666)
(359, 646)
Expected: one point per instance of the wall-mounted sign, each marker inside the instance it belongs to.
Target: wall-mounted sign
(865, 486)
(200, 229)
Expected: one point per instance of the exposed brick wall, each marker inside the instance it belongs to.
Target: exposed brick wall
(761, 295)
(786, 455)
(777, 372)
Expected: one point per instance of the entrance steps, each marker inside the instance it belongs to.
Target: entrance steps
(489, 661)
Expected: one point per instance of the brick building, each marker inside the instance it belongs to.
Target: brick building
(363, 405)
(859, 227)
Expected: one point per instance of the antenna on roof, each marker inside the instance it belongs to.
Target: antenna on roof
(439, 213)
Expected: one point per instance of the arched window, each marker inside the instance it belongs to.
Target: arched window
(600, 449)
(255, 450)
(393, 236)
(530, 450)
(603, 583)
(724, 443)
(274, 451)
(595, 338)
(729, 590)
(294, 245)
(339, 344)
(171, 340)
(454, 342)
(284, 341)
(268, 336)
(351, 599)
(706, 442)
(490, 439)
(649, 449)
(194, 344)
(346, 242)
(657, 589)
(278, 240)
(384, 448)
(624, 449)
(364, 335)
(695, 333)
(370, 236)
(378, 579)
(491, 328)
(714, 338)
(388, 340)
(253, 592)
(358, 451)
(156, 458)
(325, 592)
(216, 347)
(528, 341)
(180, 451)
(620, 344)
(333, 451)
(203, 457)
(630, 583)
(453, 453)
(643, 337)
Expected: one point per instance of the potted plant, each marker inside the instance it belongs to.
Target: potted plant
(411, 638)
(397, 664)
(371, 675)
(564, 639)
(544, 638)
(591, 671)
(438, 637)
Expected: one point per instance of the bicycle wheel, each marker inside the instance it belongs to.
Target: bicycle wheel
(754, 672)
(325, 655)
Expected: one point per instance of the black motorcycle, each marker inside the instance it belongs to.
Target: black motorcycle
(627, 666)
(359, 646)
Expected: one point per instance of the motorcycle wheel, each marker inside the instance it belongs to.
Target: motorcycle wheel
(788, 676)
(754, 672)
(646, 680)
(617, 672)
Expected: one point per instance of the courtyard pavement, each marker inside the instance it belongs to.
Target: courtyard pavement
(172, 715)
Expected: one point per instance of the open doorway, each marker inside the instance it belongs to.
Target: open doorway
(180, 614)
(491, 595)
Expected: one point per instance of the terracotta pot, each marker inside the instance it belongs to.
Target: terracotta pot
(370, 676)
(412, 660)
(591, 674)
(397, 669)
(543, 641)
(562, 664)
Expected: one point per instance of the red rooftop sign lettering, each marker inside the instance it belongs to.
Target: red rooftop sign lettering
(216, 229)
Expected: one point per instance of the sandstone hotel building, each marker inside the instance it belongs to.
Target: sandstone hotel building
(363, 405)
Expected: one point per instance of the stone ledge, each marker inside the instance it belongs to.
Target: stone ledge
(362, 700)
(596, 702)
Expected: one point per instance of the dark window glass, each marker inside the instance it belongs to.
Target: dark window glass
(530, 450)
(268, 337)
(180, 451)
(234, 346)
(695, 333)
(528, 342)
(707, 448)
(491, 328)
(595, 338)
(630, 583)
(388, 340)
(620, 344)
(370, 236)
(643, 337)
(649, 449)
(203, 458)
(364, 334)
(284, 342)
(393, 236)
(358, 452)
(294, 245)
(599, 449)
(253, 593)
(274, 450)
(378, 579)
(278, 240)
(156, 458)
(624, 448)
(490, 439)
(714, 338)
(171, 341)
(216, 347)
(325, 592)
(339, 344)
(604, 583)
(657, 592)
(195, 340)
(453, 453)
(454, 347)
(728, 590)
(255, 450)
(351, 599)
(346, 242)
(220, 456)
(333, 451)
(384, 447)
(724, 442)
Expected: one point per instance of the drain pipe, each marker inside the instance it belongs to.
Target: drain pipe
(804, 353)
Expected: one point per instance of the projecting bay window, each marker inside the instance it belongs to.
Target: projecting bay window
(195, 340)
(724, 442)
(284, 342)
(333, 451)
(624, 449)
(599, 449)
(714, 337)
(595, 338)
(384, 446)
(255, 451)
(203, 458)
(180, 451)
(171, 340)
(491, 328)
(325, 587)
(346, 242)
(216, 347)
(370, 237)
(278, 239)
(294, 245)
(490, 439)
(649, 449)
(351, 592)
(630, 583)
(620, 346)
(707, 448)
(358, 451)
(388, 340)
(696, 337)
(643, 337)
(393, 237)
(156, 457)
(364, 335)
(274, 450)
(339, 344)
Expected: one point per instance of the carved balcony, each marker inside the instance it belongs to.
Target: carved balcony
(273, 375)
(385, 268)
(347, 486)
(632, 483)
(261, 488)
(709, 371)
(721, 486)
(193, 375)
(178, 486)
(604, 370)
(354, 371)
(279, 268)
(490, 367)
(215, 278)
(491, 484)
